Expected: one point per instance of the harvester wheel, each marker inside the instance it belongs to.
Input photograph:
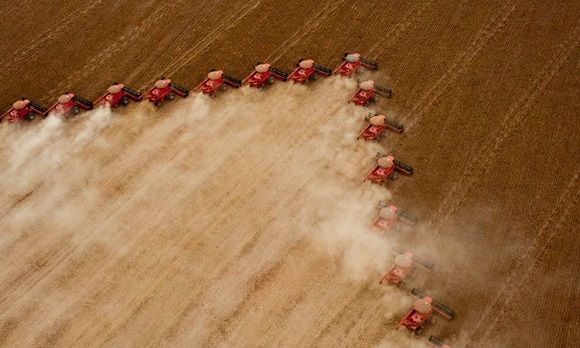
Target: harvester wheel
(170, 96)
(373, 99)
(30, 117)
(125, 101)
(314, 76)
(158, 103)
(76, 110)
(223, 88)
(393, 176)
(270, 80)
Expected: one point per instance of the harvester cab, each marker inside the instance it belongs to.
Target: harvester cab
(377, 125)
(216, 81)
(23, 109)
(118, 94)
(351, 62)
(307, 70)
(389, 214)
(387, 167)
(367, 93)
(265, 74)
(164, 89)
(70, 104)
(404, 265)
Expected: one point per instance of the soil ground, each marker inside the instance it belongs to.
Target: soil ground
(240, 220)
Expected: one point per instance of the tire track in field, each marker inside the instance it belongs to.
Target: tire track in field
(396, 31)
(510, 123)
(313, 23)
(460, 64)
(256, 285)
(201, 45)
(22, 54)
(541, 242)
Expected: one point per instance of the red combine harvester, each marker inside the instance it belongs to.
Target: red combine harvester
(389, 214)
(307, 70)
(23, 109)
(118, 94)
(264, 74)
(164, 89)
(376, 126)
(351, 62)
(367, 93)
(217, 81)
(387, 168)
(436, 342)
(70, 104)
(421, 313)
(404, 265)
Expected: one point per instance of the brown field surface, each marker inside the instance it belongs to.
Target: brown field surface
(243, 220)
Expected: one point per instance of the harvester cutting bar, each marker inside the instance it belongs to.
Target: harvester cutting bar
(182, 91)
(322, 70)
(232, 81)
(37, 107)
(436, 342)
(131, 93)
(394, 126)
(402, 167)
(383, 91)
(439, 307)
(82, 102)
(369, 64)
(410, 219)
(279, 74)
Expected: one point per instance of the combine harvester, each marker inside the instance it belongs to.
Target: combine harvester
(351, 62)
(164, 89)
(387, 168)
(367, 93)
(421, 313)
(118, 95)
(264, 74)
(403, 267)
(217, 81)
(70, 104)
(377, 125)
(390, 214)
(23, 109)
(306, 70)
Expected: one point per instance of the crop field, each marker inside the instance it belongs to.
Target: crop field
(243, 220)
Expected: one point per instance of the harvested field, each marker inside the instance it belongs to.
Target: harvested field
(243, 220)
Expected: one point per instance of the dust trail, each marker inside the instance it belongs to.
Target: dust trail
(179, 196)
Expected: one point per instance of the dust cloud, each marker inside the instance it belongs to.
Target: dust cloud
(251, 173)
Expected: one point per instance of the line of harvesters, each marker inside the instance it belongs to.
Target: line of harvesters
(386, 168)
